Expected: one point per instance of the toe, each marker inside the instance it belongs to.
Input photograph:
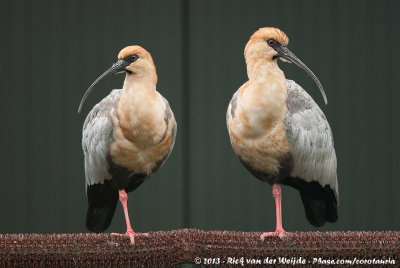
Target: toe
(264, 235)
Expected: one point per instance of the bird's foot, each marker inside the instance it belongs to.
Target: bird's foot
(279, 232)
(131, 235)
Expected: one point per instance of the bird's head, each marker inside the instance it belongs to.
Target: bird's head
(135, 61)
(270, 44)
(263, 41)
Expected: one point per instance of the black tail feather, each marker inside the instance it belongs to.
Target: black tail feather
(103, 199)
(319, 202)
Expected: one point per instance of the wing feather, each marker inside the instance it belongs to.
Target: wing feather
(310, 137)
(230, 113)
(169, 117)
(97, 136)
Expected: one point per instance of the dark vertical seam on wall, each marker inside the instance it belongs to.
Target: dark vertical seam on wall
(63, 105)
(385, 118)
(391, 112)
(29, 112)
(370, 80)
(185, 114)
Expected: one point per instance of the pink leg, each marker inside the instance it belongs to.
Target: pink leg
(277, 194)
(123, 197)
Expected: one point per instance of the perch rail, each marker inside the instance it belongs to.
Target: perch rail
(210, 248)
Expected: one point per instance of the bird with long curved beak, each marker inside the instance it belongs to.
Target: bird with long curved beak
(126, 138)
(280, 134)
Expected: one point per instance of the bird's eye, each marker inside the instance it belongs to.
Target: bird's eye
(133, 58)
(271, 42)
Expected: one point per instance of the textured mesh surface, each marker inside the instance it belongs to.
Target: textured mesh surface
(183, 246)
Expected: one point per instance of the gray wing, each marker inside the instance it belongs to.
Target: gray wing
(310, 138)
(168, 116)
(230, 113)
(97, 136)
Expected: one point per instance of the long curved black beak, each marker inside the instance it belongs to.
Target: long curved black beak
(119, 66)
(285, 53)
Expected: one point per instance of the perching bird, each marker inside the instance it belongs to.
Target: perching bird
(126, 138)
(280, 134)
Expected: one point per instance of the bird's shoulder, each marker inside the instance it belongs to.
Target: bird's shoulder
(171, 129)
(103, 108)
(168, 113)
(298, 100)
(303, 112)
(230, 113)
(169, 119)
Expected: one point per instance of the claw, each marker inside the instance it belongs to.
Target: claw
(131, 235)
(281, 233)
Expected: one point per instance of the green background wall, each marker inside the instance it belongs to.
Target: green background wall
(51, 51)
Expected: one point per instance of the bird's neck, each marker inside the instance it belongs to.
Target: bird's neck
(141, 110)
(140, 81)
(264, 97)
(266, 80)
(261, 65)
